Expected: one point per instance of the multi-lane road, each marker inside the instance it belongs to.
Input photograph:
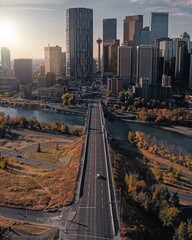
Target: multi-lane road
(92, 215)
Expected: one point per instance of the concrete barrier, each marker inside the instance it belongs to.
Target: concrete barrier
(81, 172)
(111, 188)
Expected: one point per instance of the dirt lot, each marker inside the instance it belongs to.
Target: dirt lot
(41, 188)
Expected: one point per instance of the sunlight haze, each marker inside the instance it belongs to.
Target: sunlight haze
(32, 25)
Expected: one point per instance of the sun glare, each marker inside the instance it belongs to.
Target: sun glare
(8, 33)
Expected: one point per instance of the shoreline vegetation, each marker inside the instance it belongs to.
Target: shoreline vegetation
(38, 105)
(6, 123)
(159, 148)
(176, 126)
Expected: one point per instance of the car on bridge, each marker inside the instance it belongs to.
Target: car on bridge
(98, 175)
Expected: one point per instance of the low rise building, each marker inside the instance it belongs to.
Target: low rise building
(52, 94)
(114, 85)
(9, 84)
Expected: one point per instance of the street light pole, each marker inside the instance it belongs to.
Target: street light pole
(26, 211)
(120, 205)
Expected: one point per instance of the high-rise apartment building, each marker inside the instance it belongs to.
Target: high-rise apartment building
(63, 64)
(190, 71)
(79, 44)
(132, 25)
(23, 70)
(159, 25)
(145, 63)
(6, 62)
(124, 65)
(53, 60)
(109, 29)
(5, 58)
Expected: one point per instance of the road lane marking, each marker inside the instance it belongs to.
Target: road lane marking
(87, 207)
(89, 236)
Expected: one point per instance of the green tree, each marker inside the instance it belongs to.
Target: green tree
(133, 184)
(182, 233)
(57, 146)
(68, 99)
(175, 200)
(157, 171)
(178, 174)
(38, 147)
(131, 136)
(2, 131)
(146, 160)
(168, 215)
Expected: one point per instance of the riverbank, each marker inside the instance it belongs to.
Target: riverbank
(127, 117)
(40, 105)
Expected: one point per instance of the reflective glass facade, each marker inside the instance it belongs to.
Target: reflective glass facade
(79, 44)
(159, 25)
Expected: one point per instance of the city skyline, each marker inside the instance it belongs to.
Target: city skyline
(26, 26)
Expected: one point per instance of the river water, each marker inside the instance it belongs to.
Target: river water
(119, 130)
(116, 128)
(45, 116)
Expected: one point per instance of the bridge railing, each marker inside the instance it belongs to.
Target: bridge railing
(111, 186)
(81, 172)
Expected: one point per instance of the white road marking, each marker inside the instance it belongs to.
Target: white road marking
(89, 236)
(87, 207)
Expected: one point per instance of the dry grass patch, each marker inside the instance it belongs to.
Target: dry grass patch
(5, 223)
(28, 228)
(48, 154)
(24, 138)
(22, 228)
(39, 188)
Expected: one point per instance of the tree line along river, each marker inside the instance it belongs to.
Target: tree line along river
(116, 128)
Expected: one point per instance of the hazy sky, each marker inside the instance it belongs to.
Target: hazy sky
(27, 26)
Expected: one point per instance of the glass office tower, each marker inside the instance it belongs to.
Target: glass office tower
(159, 25)
(109, 29)
(79, 44)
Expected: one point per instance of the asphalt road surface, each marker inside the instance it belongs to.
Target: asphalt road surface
(91, 217)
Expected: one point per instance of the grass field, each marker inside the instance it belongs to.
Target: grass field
(48, 154)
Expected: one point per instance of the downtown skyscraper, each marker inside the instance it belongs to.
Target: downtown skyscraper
(6, 61)
(5, 58)
(132, 25)
(23, 70)
(110, 47)
(159, 25)
(79, 44)
(109, 29)
(53, 60)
